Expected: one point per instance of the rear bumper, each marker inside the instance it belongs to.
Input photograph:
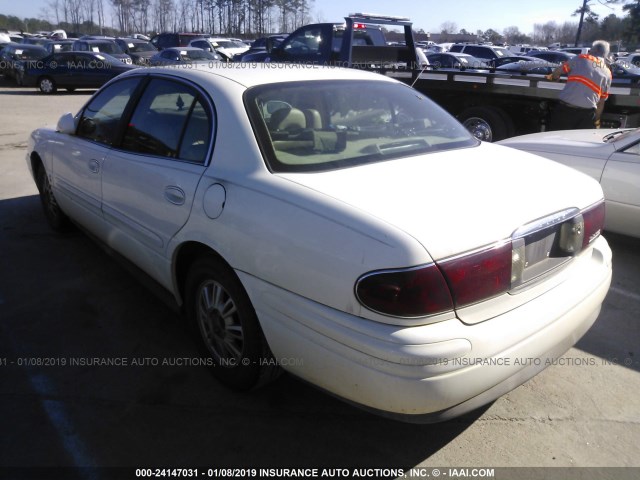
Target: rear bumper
(438, 371)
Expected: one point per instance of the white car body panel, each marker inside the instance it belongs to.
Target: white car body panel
(616, 165)
(299, 242)
(424, 370)
(416, 181)
(77, 176)
(146, 200)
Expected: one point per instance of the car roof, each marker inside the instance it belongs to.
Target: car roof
(262, 74)
(25, 46)
(182, 49)
(132, 40)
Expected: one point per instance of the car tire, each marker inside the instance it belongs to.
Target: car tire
(47, 85)
(488, 124)
(226, 325)
(52, 211)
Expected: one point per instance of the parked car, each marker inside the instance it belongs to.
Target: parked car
(182, 56)
(631, 58)
(101, 45)
(287, 213)
(528, 67)
(456, 61)
(483, 52)
(13, 55)
(41, 41)
(499, 62)
(576, 50)
(520, 49)
(172, 40)
(260, 49)
(624, 72)
(140, 51)
(610, 156)
(224, 47)
(58, 46)
(72, 70)
(553, 56)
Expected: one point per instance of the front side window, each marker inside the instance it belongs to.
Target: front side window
(170, 120)
(315, 126)
(100, 119)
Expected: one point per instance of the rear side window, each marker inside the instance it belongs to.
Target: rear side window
(479, 52)
(456, 48)
(99, 121)
(170, 120)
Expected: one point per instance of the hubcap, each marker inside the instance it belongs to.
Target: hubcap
(219, 323)
(479, 128)
(46, 85)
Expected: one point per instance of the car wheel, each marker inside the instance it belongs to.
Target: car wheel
(488, 124)
(226, 325)
(47, 85)
(52, 211)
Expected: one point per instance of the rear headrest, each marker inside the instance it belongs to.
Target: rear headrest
(289, 119)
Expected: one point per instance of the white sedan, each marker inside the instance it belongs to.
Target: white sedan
(610, 156)
(337, 224)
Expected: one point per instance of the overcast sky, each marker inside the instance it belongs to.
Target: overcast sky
(428, 15)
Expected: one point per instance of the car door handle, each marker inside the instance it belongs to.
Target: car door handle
(174, 195)
(94, 166)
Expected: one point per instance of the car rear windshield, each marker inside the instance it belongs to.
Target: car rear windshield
(325, 125)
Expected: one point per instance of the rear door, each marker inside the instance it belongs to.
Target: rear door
(149, 182)
(620, 182)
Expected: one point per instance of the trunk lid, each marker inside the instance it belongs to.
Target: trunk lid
(457, 201)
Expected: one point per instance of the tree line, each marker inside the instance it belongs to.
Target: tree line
(224, 17)
(623, 31)
(252, 18)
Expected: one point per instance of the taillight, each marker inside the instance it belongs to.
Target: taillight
(414, 292)
(479, 275)
(593, 223)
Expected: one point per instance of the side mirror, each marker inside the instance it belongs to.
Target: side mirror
(87, 127)
(66, 124)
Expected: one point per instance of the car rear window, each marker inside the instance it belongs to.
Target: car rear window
(324, 125)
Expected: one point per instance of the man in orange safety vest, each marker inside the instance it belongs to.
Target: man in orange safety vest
(581, 101)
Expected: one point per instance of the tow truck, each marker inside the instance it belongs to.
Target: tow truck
(492, 105)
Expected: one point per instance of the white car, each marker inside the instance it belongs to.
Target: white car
(335, 223)
(610, 156)
(226, 47)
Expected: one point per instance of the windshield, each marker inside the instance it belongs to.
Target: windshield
(224, 44)
(197, 55)
(141, 47)
(105, 47)
(314, 126)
